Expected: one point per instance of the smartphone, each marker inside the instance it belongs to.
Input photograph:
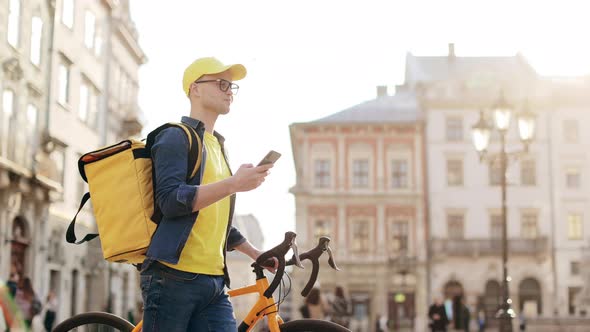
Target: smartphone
(270, 158)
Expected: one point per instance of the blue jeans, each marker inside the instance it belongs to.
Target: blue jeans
(176, 301)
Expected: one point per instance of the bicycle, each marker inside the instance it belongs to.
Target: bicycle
(265, 306)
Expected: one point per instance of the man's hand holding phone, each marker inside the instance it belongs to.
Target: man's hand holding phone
(248, 177)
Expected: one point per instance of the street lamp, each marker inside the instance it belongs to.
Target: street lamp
(481, 131)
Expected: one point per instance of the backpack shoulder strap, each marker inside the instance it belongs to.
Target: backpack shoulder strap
(194, 158)
(194, 153)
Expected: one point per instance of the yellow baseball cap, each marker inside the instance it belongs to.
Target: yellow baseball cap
(210, 65)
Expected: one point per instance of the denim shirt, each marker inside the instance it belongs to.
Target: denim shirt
(175, 196)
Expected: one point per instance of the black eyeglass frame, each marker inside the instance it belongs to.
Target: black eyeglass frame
(228, 85)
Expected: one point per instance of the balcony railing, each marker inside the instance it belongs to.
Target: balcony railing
(492, 247)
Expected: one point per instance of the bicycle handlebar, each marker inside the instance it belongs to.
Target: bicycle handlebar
(314, 255)
(279, 253)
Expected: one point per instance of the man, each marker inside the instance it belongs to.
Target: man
(438, 316)
(184, 276)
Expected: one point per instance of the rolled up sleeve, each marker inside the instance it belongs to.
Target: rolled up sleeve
(170, 157)
(234, 239)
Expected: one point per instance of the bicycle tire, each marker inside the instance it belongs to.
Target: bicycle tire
(312, 325)
(96, 317)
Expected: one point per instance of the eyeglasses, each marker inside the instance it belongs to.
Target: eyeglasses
(224, 85)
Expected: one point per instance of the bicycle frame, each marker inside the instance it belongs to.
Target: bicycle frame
(257, 312)
(263, 307)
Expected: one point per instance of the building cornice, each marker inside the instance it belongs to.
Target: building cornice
(111, 4)
(130, 43)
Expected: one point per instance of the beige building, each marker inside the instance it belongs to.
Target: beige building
(24, 196)
(360, 182)
(69, 80)
(546, 196)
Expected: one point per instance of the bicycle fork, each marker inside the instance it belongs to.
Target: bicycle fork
(263, 307)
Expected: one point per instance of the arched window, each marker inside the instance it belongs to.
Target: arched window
(452, 289)
(529, 296)
(19, 245)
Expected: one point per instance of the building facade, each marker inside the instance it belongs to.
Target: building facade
(464, 193)
(453, 201)
(360, 182)
(72, 82)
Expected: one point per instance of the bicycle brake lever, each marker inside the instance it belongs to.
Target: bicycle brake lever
(331, 259)
(297, 261)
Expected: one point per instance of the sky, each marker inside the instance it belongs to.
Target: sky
(309, 59)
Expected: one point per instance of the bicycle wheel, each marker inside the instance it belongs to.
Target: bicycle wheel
(94, 321)
(312, 325)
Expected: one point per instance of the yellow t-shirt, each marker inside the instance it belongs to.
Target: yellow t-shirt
(203, 251)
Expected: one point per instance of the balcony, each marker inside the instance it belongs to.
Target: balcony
(489, 247)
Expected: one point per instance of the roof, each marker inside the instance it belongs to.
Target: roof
(400, 108)
(442, 68)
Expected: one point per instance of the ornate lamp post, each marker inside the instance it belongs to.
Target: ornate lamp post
(481, 131)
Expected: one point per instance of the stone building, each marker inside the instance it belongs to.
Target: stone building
(360, 182)
(546, 192)
(69, 83)
(347, 185)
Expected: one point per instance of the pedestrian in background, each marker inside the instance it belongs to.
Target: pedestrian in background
(438, 316)
(340, 308)
(315, 304)
(50, 311)
(12, 284)
(27, 301)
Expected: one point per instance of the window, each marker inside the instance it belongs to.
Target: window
(575, 268)
(454, 129)
(8, 124)
(322, 173)
(572, 178)
(321, 228)
(573, 293)
(495, 174)
(13, 22)
(360, 173)
(575, 228)
(36, 39)
(399, 173)
(360, 236)
(570, 131)
(32, 113)
(97, 41)
(529, 225)
(88, 110)
(399, 236)
(83, 108)
(89, 29)
(58, 156)
(528, 172)
(455, 225)
(30, 134)
(64, 82)
(67, 13)
(496, 226)
(455, 172)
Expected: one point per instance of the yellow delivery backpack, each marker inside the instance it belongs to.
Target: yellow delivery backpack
(121, 182)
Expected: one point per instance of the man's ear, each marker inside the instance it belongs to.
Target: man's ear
(194, 89)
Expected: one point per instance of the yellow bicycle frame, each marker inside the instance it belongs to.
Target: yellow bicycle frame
(258, 311)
